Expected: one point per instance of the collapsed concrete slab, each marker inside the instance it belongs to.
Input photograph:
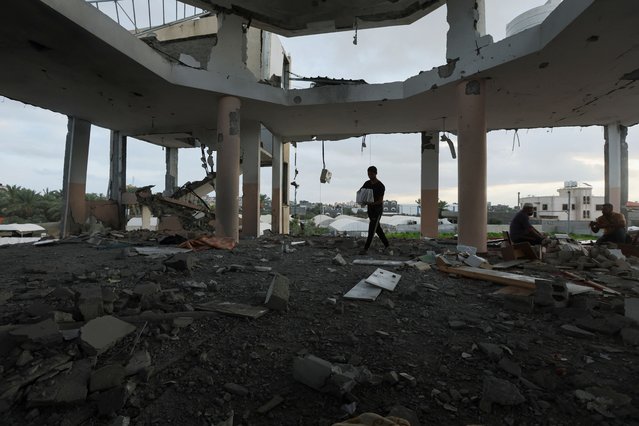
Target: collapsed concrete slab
(44, 332)
(100, 334)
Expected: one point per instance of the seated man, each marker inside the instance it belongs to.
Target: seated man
(613, 225)
(521, 230)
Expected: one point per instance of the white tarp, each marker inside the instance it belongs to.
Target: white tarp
(21, 228)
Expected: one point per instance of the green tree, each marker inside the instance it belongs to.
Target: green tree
(441, 206)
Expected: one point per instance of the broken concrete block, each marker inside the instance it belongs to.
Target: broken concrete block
(500, 392)
(519, 303)
(278, 293)
(339, 260)
(59, 316)
(39, 309)
(44, 332)
(113, 400)
(494, 352)
(182, 322)
(312, 371)
(121, 421)
(549, 293)
(181, 262)
(89, 302)
(24, 358)
(236, 389)
(107, 377)
(631, 308)
(146, 289)
(138, 362)
(630, 336)
(573, 331)
(274, 402)
(69, 387)
(100, 334)
(405, 413)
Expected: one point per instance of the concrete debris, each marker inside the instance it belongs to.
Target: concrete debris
(498, 391)
(44, 332)
(70, 387)
(574, 331)
(181, 262)
(278, 293)
(236, 389)
(631, 308)
(89, 302)
(99, 335)
(339, 260)
(630, 336)
(271, 404)
(107, 377)
(140, 361)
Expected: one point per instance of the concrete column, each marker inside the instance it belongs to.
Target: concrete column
(473, 216)
(612, 156)
(228, 167)
(276, 196)
(250, 179)
(229, 55)
(117, 173)
(430, 185)
(76, 158)
(171, 175)
(467, 28)
(286, 186)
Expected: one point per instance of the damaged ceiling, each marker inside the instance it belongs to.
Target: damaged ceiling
(295, 18)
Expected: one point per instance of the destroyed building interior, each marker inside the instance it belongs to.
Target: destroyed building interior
(208, 320)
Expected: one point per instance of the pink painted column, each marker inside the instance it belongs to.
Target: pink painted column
(76, 158)
(430, 185)
(227, 181)
(472, 226)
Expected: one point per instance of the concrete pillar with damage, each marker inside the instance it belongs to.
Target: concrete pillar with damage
(250, 146)
(467, 28)
(117, 174)
(472, 224)
(229, 55)
(76, 158)
(228, 168)
(614, 169)
(276, 182)
(430, 184)
(286, 185)
(171, 174)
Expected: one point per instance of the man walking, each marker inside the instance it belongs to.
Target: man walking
(375, 211)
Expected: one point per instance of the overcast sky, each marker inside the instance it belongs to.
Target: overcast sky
(533, 162)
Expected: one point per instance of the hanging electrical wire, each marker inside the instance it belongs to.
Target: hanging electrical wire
(516, 135)
(363, 143)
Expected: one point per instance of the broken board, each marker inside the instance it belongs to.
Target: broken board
(510, 263)
(236, 309)
(374, 262)
(384, 279)
(160, 251)
(363, 291)
(499, 277)
(515, 291)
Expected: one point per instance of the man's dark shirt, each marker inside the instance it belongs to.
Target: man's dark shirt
(520, 225)
(378, 192)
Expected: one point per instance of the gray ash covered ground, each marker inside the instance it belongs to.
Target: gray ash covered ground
(467, 359)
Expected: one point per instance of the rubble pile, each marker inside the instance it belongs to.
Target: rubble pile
(116, 329)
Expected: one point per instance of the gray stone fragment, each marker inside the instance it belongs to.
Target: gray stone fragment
(274, 402)
(494, 352)
(138, 362)
(510, 367)
(44, 332)
(599, 325)
(551, 293)
(615, 398)
(405, 413)
(278, 293)
(121, 421)
(519, 303)
(630, 336)
(107, 377)
(89, 302)
(339, 260)
(500, 392)
(236, 389)
(182, 322)
(24, 358)
(113, 400)
(100, 334)
(181, 262)
(573, 331)
(631, 308)
(312, 371)
(146, 289)
(68, 387)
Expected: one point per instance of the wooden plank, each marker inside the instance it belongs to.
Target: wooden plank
(499, 277)
(374, 262)
(236, 309)
(510, 263)
(516, 291)
(588, 283)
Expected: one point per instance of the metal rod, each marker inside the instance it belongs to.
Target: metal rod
(163, 14)
(135, 20)
(117, 13)
(148, 5)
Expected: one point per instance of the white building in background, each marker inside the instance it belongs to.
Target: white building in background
(578, 196)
